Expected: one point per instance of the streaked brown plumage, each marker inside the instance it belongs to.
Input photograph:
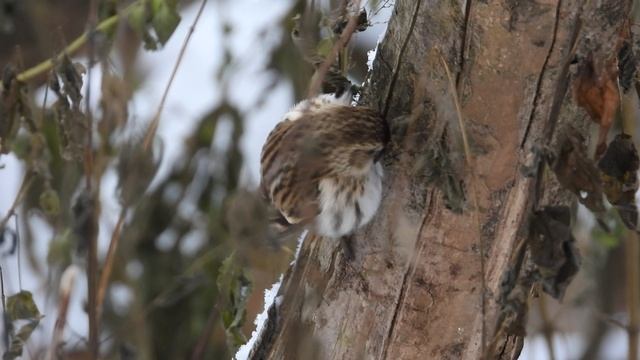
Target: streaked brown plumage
(318, 165)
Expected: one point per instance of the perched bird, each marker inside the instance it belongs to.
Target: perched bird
(319, 165)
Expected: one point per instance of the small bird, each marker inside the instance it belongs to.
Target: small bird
(320, 166)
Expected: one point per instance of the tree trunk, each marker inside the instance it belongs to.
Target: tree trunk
(414, 289)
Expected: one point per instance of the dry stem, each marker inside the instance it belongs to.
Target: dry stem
(108, 262)
(474, 191)
(105, 25)
(633, 291)
(321, 73)
(66, 286)
(26, 183)
(153, 126)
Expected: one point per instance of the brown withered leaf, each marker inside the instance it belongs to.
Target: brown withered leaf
(12, 108)
(70, 75)
(136, 169)
(72, 122)
(596, 90)
(72, 125)
(627, 65)
(577, 172)
(8, 105)
(116, 93)
(85, 214)
(619, 167)
(553, 250)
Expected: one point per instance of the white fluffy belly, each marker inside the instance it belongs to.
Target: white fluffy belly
(343, 209)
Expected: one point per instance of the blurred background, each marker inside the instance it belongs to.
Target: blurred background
(191, 267)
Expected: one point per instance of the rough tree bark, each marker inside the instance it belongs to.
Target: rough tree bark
(414, 289)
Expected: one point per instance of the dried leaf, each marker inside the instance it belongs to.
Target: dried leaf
(619, 172)
(596, 90)
(114, 103)
(72, 122)
(553, 250)
(577, 173)
(627, 65)
(70, 75)
(10, 108)
(84, 219)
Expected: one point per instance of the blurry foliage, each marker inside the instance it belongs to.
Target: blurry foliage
(176, 288)
(236, 289)
(161, 16)
(552, 248)
(616, 230)
(21, 314)
(192, 244)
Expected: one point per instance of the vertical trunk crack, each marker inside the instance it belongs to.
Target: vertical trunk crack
(396, 311)
(396, 69)
(463, 45)
(403, 288)
(543, 71)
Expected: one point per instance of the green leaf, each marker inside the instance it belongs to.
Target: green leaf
(22, 307)
(18, 340)
(50, 202)
(21, 147)
(139, 19)
(235, 288)
(165, 19)
(324, 47)
(60, 249)
(138, 16)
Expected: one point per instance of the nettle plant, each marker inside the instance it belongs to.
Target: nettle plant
(67, 149)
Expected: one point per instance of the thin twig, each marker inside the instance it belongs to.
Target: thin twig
(92, 256)
(343, 40)
(26, 183)
(5, 316)
(105, 25)
(633, 291)
(547, 325)
(203, 340)
(4, 303)
(610, 320)
(629, 111)
(66, 286)
(108, 261)
(471, 163)
(153, 126)
(18, 242)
